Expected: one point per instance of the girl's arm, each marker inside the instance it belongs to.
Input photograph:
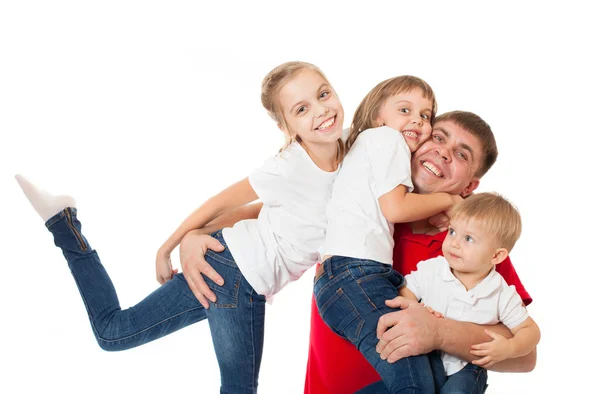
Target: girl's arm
(233, 197)
(399, 206)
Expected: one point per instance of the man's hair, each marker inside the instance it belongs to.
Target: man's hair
(477, 127)
(492, 212)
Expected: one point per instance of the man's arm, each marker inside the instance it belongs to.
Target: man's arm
(415, 331)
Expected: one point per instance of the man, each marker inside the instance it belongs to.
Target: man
(461, 150)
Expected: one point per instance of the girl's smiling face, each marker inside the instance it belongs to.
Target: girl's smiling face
(409, 113)
(311, 109)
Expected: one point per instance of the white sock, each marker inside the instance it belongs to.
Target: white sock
(44, 203)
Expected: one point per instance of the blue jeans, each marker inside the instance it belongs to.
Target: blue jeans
(470, 380)
(350, 296)
(236, 320)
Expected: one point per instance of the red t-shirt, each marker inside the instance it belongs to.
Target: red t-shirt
(334, 364)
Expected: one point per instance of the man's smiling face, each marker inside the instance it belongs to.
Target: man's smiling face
(448, 162)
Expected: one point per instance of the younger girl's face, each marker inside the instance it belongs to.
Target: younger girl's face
(409, 113)
(311, 109)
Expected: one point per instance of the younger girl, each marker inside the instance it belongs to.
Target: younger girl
(260, 256)
(371, 192)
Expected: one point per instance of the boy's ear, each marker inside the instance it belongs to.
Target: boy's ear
(499, 255)
(470, 188)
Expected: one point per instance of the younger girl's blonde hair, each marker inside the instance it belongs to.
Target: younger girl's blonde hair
(492, 212)
(366, 114)
(272, 84)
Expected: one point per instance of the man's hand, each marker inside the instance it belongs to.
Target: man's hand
(192, 249)
(492, 352)
(409, 332)
(164, 268)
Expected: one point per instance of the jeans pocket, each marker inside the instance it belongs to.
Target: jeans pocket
(340, 314)
(227, 295)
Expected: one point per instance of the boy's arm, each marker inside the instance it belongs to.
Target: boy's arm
(400, 206)
(415, 331)
(525, 337)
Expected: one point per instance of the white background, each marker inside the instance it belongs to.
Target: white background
(142, 110)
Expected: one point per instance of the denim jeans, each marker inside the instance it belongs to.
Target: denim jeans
(350, 296)
(236, 320)
(470, 380)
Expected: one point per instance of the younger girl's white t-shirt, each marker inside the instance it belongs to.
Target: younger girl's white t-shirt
(279, 246)
(378, 161)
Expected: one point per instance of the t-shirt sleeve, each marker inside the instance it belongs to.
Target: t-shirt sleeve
(509, 274)
(266, 180)
(417, 281)
(511, 311)
(389, 156)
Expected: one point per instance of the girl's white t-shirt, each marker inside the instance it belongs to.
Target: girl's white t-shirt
(378, 161)
(279, 246)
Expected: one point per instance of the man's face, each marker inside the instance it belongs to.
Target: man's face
(448, 161)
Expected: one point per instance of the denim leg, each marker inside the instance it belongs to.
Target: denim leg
(469, 380)
(351, 298)
(169, 308)
(237, 326)
(374, 388)
(437, 368)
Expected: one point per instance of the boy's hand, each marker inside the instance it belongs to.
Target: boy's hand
(434, 313)
(491, 352)
(164, 268)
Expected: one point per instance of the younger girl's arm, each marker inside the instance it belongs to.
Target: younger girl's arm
(400, 206)
(234, 196)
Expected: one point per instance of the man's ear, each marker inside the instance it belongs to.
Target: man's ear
(470, 188)
(499, 255)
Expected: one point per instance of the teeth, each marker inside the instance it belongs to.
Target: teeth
(410, 134)
(326, 124)
(432, 168)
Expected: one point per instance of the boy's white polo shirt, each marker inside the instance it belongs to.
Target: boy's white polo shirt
(490, 302)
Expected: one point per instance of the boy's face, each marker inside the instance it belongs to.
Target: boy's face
(311, 109)
(409, 113)
(469, 248)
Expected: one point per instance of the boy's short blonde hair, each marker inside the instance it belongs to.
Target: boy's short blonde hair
(493, 213)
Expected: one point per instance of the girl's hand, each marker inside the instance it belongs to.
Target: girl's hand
(164, 268)
(191, 254)
(440, 221)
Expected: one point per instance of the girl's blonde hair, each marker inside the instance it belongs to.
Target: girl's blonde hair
(272, 84)
(492, 212)
(366, 114)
